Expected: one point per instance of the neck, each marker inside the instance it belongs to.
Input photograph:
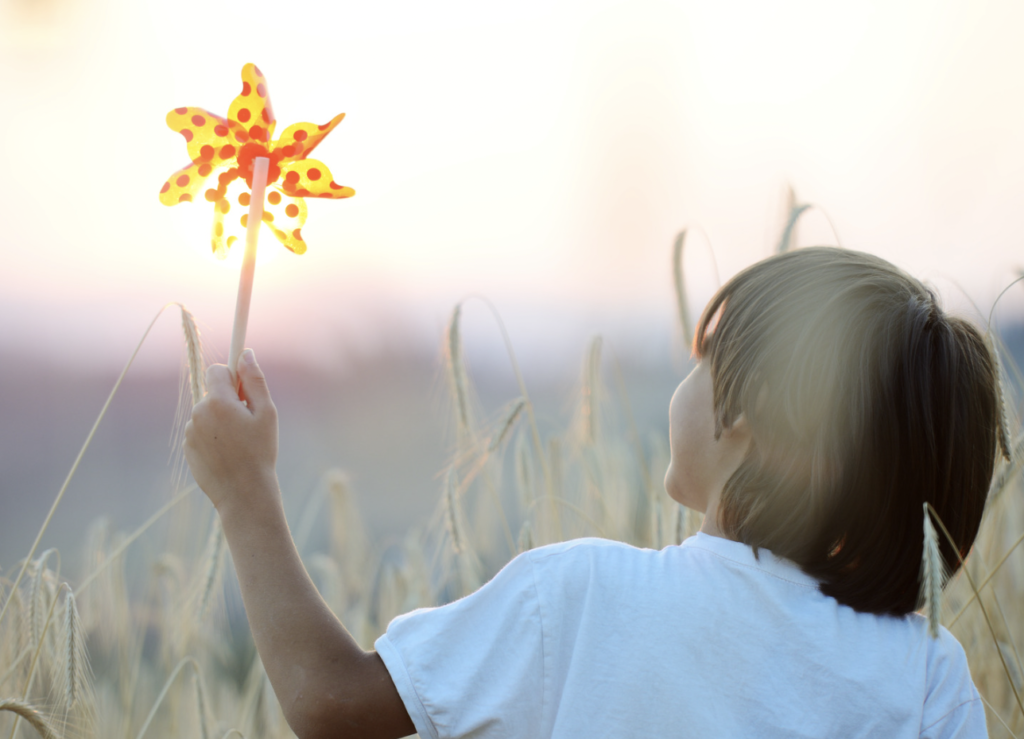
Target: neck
(710, 525)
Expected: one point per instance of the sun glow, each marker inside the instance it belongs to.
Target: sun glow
(752, 51)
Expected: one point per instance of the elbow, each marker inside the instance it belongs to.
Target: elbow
(324, 713)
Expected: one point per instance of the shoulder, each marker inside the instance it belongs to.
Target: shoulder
(950, 692)
(583, 554)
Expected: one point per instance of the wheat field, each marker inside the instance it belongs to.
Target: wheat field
(166, 654)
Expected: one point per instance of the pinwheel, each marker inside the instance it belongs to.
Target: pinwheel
(235, 160)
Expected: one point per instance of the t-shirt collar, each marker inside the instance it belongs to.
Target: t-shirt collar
(744, 555)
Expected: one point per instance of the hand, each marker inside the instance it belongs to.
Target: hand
(231, 445)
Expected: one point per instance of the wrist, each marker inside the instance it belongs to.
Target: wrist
(251, 499)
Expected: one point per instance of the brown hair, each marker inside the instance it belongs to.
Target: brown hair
(864, 401)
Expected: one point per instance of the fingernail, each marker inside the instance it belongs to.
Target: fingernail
(248, 357)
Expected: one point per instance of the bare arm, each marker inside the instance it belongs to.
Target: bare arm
(327, 685)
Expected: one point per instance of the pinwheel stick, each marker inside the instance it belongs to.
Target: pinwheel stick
(252, 235)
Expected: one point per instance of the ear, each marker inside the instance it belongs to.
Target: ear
(738, 430)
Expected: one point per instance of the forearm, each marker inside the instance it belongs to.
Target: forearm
(319, 673)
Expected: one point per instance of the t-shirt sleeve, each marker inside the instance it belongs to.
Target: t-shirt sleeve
(476, 666)
(953, 707)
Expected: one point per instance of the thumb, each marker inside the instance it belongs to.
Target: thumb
(253, 384)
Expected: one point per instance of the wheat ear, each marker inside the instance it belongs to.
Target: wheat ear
(76, 665)
(931, 576)
(31, 715)
(457, 370)
(680, 285)
(525, 537)
(451, 509)
(507, 424)
(194, 349)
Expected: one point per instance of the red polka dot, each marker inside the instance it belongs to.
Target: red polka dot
(301, 193)
(292, 210)
(182, 180)
(224, 205)
(313, 174)
(220, 130)
(212, 195)
(241, 137)
(335, 185)
(292, 177)
(256, 132)
(187, 134)
(181, 111)
(261, 90)
(297, 233)
(244, 115)
(246, 88)
(226, 152)
(243, 198)
(165, 188)
(186, 198)
(198, 120)
(268, 216)
(301, 135)
(266, 115)
(288, 151)
(245, 221)
(274, 198)
(218, 228)
(205, 169)
(206, 152)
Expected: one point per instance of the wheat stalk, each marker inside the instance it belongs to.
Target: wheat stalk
(1003, 430)
(204, 732)
(931, 576)
(31, 715)
(591, 389)
(78, 460)
(215, 550)
(984, 611)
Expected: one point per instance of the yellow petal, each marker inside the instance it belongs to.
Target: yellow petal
(285, 216)
(252, 110)
(185, 184)
(311, 178)
(299, 139)
(228, 212)
(210, 137)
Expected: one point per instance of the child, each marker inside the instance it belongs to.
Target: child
(832, 399)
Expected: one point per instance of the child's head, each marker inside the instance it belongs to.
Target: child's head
(861, 400)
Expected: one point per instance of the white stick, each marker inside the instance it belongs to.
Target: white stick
(252, 235)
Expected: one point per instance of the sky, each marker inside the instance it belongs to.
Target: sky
(542, 154)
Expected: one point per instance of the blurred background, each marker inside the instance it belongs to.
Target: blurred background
(543, 154)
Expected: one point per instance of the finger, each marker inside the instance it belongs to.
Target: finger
(253, 383)
(220, 383)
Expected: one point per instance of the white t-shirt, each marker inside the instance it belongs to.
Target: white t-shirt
(593, 638)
